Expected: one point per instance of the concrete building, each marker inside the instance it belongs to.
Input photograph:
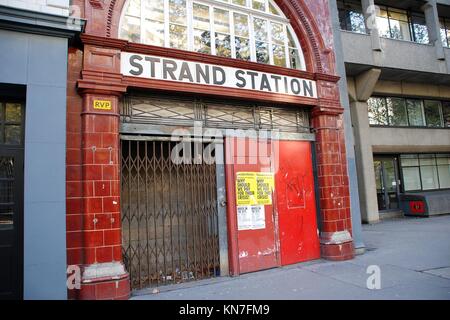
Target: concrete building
(394, 61)
(34, 41)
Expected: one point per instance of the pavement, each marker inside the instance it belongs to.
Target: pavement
(413, 256)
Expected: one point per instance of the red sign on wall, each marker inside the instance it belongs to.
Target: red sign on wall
(417, 207)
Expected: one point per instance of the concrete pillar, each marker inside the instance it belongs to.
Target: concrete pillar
(364, 86)
(370, 13)
(364, 163)
(434, 32)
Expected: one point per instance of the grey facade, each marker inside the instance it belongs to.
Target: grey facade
(36, 58)
(372, 65)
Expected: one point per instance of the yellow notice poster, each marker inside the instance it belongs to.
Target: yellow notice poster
(265, 184)
(246, 188)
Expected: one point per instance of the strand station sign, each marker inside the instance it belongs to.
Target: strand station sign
(161, 68)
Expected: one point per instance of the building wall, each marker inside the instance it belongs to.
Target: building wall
(379, 66)
(40, 63)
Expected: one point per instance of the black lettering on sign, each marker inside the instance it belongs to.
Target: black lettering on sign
(242, 82)
(169, 67)
(134, 63)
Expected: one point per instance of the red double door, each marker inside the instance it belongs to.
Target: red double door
(284, 230)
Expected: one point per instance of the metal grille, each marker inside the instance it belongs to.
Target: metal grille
(184, 111)
(169, 216)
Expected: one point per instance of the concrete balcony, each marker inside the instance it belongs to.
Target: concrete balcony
(399, 60)
(398, 140)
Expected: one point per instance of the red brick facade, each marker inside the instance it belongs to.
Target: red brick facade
(93, 172)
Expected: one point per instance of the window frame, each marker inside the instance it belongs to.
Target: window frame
(231, 8)
(4, 123)
(436, 165)
(346, 9)
(446, 24)
(409, 19)
(425, 126)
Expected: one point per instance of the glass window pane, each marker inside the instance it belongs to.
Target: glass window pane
(444, 176)
(429, 177)
(443, 159)
(242, 48)
(1, 112)
(221, 21)
(383, 24)
(13, 112)
(411, 177)
(260, 27)
(202, 41)
(223, 45)
(397, 112)
(427, 160)
(240, 2)
(259, 5)
(273, 10)
(131, 29)
(134, 8)
(154, 10)
(178, 37)
(177, 11)
(262, 52)
(420, 29)
(291, 42)
(154, 33)
(13, 134)
(377, 111)
(241, 27)
(279, 56)
(278, 36)
(409, 160)
(443, 30)
(357, 21)
(433, 113)
(6, 192)
(446, 113)
(399, 30)
(201, 17)
(415, 113)
(294, 58)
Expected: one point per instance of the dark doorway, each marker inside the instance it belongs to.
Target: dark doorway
(387, 183)
(11, 198)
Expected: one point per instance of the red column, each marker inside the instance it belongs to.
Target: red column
(336, 237)
(103, 275)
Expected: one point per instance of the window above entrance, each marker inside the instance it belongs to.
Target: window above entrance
(249, 30)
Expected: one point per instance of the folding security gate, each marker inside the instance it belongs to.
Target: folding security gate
(169, 215)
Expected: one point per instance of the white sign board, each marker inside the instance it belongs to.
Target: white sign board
(251, 217)
(168, 69)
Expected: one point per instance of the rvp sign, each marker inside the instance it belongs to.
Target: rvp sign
(102, 105)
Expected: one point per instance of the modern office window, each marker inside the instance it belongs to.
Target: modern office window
(445, 31)
(402, 25)
(419, 28)
(433, 113)
(251, 30)
(401, 112)
(422, 172)
(351, 16)
(446, 113)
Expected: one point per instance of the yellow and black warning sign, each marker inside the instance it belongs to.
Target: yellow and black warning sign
(102, 104)
(246, 188)
(265, 185)
(254, 188)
